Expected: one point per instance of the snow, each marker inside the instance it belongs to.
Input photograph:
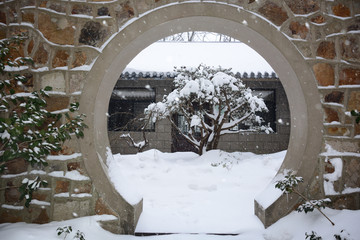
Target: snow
(330, 178)
(164, 56)
(186, 193)
(63, 157)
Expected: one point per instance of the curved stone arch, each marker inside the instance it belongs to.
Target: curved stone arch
(294, 73)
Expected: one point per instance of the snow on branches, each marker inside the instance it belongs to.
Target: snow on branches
(213, 102)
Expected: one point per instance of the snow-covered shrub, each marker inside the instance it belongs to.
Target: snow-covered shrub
(213, 102)
(27, 130)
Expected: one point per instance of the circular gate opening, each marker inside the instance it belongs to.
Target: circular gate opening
(295, 75)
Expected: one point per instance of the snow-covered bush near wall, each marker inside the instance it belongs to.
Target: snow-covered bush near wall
(213, 102)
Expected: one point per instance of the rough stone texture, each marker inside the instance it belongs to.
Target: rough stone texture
(30, 47)
(16, 166)
(10, 216)
(82, 188)
(298, 30)
(56, 30)
(348, 201)
(103, 11)
(354, 101)
(326, 49)
(354, 26)
(338, 131)
(318, 19)
(303, 6)
(324, 74)
(62, 186)
(331, 115)
(56, 103)
(274, 13)
(350, 49)
(335, 96)
(341, 10)
(76, 166)
(81, 9)
(92, 33)
(352, 173)
(344, 145)
(12, 194)
(2, 17)
(101, 208)
(41, 56)
(42, 218)
(80, 59)
(329, 168)
(28, 17)
(60, 59)
(56, 80)
(349, 76)
(125, 13)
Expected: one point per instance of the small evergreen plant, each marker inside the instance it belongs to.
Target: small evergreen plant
(27, 129)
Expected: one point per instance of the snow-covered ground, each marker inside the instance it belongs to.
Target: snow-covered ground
(184, 193)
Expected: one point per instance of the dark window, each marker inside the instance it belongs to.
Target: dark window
(268, 117)
(127, 106)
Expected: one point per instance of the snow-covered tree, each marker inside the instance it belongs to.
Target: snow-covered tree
(27, 130)
(212, 102)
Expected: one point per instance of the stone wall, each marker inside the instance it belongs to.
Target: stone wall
(68, 38)
(160, 138)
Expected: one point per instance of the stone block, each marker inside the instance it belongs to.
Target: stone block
(326, 49)
(331, 115)
(101, 208)
(348, 201)
(28, 17)
(318, 19)
(15, 166)
(57, 103)
(41, 216)
(79, 59)
(274, 13)
(58, 30)
(324, 74)
(328, 167)
(302, 6)
(351, 178)
(65, 210)
(41, 56)
(338, 131)
(62, 186)
(125, 12)
(80, 187)
(10, 216)
(349, 48)
(354, 101)
(2, 17)
(92, 33)
(344, 146)
(334, 97)
(56, 80)
(81, 9)
(298, 30)
(349, 76)
(12, 194)
(341, 10)
(60, 59)
(103, 11)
